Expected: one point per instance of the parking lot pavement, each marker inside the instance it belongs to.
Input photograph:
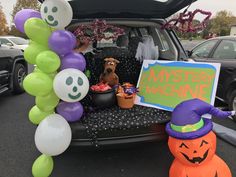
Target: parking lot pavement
(18, 151)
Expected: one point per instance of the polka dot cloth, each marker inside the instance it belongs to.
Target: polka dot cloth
(116, 119)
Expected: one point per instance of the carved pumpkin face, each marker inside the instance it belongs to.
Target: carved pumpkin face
(193, 152)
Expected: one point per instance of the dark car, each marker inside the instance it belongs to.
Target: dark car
(220, 50)
(13, 69)
(139, 19)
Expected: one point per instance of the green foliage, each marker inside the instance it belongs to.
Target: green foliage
(3, 23)
(222, 22)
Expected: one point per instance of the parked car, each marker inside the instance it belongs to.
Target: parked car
(114, 126)
(220, 50)
(14, 42)
(13, 69)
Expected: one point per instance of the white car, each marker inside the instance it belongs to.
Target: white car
(14, 42)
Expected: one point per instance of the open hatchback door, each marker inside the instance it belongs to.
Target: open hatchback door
(126, 8)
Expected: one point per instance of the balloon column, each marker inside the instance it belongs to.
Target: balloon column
(193, 143)
(51, 50)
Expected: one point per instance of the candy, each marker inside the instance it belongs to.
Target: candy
(100, 87)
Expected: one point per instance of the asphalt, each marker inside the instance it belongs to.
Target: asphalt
(18, 151)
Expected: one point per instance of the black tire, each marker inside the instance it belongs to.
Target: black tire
(232, 102)
(18, 77)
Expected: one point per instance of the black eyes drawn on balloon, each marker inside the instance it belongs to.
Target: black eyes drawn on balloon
(45, 9)
(69, 81)
(54, 9)
(80, 81)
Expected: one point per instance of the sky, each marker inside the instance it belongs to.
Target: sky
(208, 5)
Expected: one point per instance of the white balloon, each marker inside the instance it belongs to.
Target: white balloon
(53, 135)
(57, 13)
(71, 85)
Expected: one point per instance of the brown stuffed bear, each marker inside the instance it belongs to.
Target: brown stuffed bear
(109, 76)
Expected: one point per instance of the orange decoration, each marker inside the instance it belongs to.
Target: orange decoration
(126, 95)
(197, 158)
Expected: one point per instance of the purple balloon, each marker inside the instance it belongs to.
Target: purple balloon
(22, 16)
(62, 42)
(70, 111)
(73, 60)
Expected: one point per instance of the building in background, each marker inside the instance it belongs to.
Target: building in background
(233, 30)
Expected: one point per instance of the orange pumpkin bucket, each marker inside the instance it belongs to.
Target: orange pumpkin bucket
(125, 102)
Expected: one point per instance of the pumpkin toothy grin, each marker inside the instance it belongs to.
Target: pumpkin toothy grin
(196, 160)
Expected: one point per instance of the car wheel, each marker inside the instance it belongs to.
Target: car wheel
(232, 102)
(18, 77)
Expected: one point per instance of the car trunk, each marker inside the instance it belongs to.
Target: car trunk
(112, 123)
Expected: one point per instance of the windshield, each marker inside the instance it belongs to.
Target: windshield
(19, 41)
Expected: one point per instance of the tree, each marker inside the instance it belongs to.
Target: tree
(3, 23)
(222, 22)
(22, 4)
(206, 31)
(25, 4)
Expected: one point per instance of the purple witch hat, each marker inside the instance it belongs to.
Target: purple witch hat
(187, 122)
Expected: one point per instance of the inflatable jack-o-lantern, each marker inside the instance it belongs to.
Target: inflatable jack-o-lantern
(193, 143)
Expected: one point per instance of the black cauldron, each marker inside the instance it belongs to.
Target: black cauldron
(103, 99)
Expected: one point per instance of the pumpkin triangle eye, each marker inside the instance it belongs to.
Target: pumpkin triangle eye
(203, 142)
(183, 145)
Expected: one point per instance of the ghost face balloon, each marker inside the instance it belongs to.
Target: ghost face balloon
(57, 13)
(71, 85)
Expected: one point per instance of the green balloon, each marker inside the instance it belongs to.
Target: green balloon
(38, 84)
(47, 103)
(38, 30)
(37, 70)
(51, 75)
(42, 166)
(48, 61)
(36, 115)
(32, 51)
